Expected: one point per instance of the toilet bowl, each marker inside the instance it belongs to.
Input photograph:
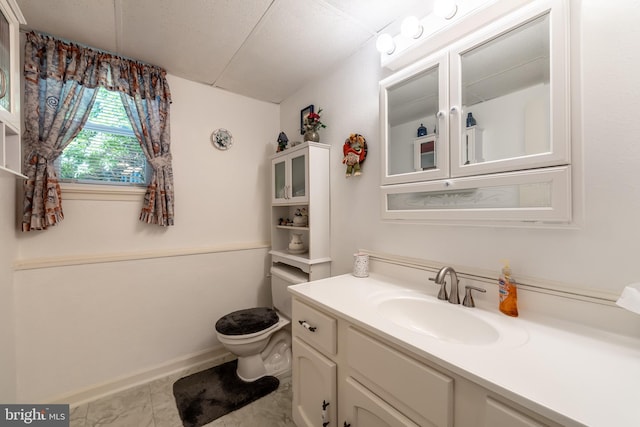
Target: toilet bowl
(259, 336)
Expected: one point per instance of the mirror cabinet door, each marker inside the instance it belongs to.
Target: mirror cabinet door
(414, 122)
(502, 109)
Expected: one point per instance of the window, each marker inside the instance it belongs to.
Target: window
(106, 150)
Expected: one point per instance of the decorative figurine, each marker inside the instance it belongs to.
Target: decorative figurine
(355, 151)
(282, 142)
(422, 131)
(300, 218)
(471, 121)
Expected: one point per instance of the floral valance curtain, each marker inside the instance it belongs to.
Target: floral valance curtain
(61, 79)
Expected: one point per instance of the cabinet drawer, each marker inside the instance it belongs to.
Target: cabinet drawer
(314, 327)
(401, 380)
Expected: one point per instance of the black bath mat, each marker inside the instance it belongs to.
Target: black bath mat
(204, 396)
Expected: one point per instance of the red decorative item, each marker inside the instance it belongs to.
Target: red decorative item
(355, 151)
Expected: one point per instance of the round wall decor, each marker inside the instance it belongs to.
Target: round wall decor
(221, 139)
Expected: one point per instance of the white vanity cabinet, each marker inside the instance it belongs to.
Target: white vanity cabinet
(369, 381)
(300, 183)
(499, 100)
(10, 114)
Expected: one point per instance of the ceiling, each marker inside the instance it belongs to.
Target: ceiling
(263, 49)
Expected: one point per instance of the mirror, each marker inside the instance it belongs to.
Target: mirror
(412, 103)
(505, 95)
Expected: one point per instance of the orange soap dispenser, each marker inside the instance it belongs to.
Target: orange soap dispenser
(508, 292)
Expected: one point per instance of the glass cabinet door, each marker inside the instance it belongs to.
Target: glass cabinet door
(290, 174)
(508, 98)
(5, 63)
(299, 176)
(279, 180)
(414, 105)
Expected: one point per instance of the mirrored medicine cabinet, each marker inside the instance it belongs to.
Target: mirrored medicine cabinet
(493, 113)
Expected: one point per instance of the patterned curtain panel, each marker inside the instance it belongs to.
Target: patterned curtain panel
(60, 88)
(149, 118)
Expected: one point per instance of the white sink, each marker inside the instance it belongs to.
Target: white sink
(447, 322)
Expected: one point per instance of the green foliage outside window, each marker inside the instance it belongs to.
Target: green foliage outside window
(106, 150)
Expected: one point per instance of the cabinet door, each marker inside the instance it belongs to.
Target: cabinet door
(501, 415)
(10, 65)
(279, 180)
(362, 408)
(508, 86)
(299, 186)
(409, 99)
(289, 175)
(314, 387)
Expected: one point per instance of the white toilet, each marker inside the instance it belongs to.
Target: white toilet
(258, 335)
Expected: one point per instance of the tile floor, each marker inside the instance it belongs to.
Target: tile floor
(153, 405)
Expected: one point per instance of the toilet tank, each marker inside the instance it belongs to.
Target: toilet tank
(282, 276)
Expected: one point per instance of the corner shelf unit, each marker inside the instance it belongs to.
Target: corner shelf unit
(300, 179)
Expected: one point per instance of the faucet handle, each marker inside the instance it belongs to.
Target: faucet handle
(442, 294)
(468, 297)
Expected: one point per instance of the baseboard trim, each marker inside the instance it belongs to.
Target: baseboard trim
(207, 357)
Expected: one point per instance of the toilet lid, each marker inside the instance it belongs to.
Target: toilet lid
(247, 321)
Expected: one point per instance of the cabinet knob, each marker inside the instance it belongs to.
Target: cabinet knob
(455, 109)
(440, 114)
(308, 327)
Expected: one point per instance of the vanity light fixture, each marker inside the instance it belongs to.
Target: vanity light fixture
(411, 27)
(446, 9)
(385, 44)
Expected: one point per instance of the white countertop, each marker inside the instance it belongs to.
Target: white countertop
(569, 373)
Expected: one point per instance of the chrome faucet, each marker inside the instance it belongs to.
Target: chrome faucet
(439, 280)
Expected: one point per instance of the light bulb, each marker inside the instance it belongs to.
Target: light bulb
(445, 8)
(385, 44)
(411, 27)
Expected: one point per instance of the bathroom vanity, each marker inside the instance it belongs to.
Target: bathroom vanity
(370, 352)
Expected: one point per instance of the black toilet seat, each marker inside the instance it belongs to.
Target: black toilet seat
(247, 321)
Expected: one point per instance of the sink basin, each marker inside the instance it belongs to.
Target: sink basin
(438, 319)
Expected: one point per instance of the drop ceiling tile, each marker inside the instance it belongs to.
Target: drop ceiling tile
(378, 14)
(296, 41)
(193, 39)
(87, 22)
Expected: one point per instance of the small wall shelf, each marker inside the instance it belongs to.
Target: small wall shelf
(10, 152)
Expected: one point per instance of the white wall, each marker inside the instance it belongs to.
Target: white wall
(600, 254)
(83, 325)
(8, 248)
